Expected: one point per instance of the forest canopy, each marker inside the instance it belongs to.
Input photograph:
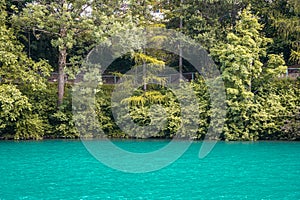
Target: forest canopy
(254, 43)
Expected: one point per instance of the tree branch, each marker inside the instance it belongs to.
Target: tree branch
(44, 31)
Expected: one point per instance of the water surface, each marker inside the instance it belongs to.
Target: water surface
(233, 170)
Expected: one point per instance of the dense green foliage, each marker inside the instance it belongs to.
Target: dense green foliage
(251, 41)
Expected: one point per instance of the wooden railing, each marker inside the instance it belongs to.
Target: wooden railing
(113, 79)
(170, 78)
(292, 72)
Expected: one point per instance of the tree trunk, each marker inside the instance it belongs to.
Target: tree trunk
(62, 60)
(144, 76)
(180, 62)
(180, 48)
(61, 75)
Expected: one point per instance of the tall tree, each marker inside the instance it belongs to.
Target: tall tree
(18, 74)
(281, 18)
(241, 64)
(287, 22)
(68, 23)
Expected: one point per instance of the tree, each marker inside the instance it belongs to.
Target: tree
(18, 74)
(68, 23)
(281, 18)
(287, 22)
(242, 68)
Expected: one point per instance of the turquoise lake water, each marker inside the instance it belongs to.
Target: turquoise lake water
(232, 170)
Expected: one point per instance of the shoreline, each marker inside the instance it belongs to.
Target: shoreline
(140, 139)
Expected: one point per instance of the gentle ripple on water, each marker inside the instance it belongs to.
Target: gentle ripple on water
(233, 170)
